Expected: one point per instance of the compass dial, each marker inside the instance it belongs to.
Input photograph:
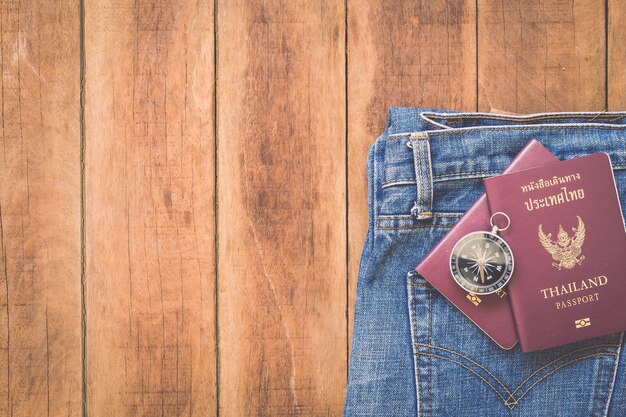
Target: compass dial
(481, 263)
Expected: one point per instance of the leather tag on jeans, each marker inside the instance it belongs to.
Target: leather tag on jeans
(491, 313)
(567, 235)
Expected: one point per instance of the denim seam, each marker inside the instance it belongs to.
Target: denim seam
(507, 402)
(369, 244)
(461, 130)
(458, 176)
(429, 226)
(409, 217)
(440, 116)
(612, 380)
(552, 362)
(595, 391)
(469, 369)
(469, 360)
(420, 196)
(411, 181)
(528, 120)
(430, 341)
(560, 367)
(418, 177)
(546, 115)
(375, 188)
(429, 121)
(434, 123)
(462, 174)
(399, 181)
(423, 175)
(411, 305)
(429, 179)
(424, 185)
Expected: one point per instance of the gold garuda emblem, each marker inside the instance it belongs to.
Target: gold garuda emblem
(566, 250)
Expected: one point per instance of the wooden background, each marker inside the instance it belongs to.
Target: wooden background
(183, 190)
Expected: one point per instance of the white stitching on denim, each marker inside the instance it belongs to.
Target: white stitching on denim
(466, 174)
(604, 345)
(524, 117)
(432, 122)
(413, 327)
(428, 226)
(471, 361)
(425, 118)
(457, 120)
(563, 366)
(511, 402)
(375, 185)
(595, 391)
(409, 217)
(430, 341)
(511, 393)
(462, 174)
(469, 369)
(429, 176)
(614, 378)
(421, 179)
(406, 181)
(562, 126)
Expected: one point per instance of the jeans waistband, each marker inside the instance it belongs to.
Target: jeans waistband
(425, 146)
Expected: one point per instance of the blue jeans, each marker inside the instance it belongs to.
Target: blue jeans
(413, 352)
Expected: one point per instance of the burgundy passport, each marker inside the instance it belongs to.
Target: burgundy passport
(491, 313)
(567, 236)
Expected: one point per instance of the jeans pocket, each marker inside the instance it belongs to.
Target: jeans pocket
(459, 369)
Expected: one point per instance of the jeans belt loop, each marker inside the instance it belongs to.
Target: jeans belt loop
(423, 208)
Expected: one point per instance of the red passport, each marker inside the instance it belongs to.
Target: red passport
(568, 239)
(491, 313)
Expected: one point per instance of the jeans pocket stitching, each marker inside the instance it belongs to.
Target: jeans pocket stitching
(416, 227)
(595, 391)
(413, 327)
(561, 367)
(512, 401)
(430, 341)
(552, 362)
(467, 359)
(611, 380)
(472, 371)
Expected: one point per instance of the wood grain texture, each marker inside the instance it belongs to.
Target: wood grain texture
(40, 287)
(282, 207)
(150, 288)
(403, 53)
(616, 45)
(543, 55)
(291, 196)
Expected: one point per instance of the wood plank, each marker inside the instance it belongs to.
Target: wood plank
(40, 283)
(539, 56)
(405, 53)
(150, 287)
(281, 215)
(616, 55)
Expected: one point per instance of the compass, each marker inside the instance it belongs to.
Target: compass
(482, 262)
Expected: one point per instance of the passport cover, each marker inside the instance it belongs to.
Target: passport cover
(491, 313)
(568, 239)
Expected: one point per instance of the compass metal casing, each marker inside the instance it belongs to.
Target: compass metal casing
(481, 263)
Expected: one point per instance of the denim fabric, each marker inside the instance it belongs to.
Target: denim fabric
(413, 353)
